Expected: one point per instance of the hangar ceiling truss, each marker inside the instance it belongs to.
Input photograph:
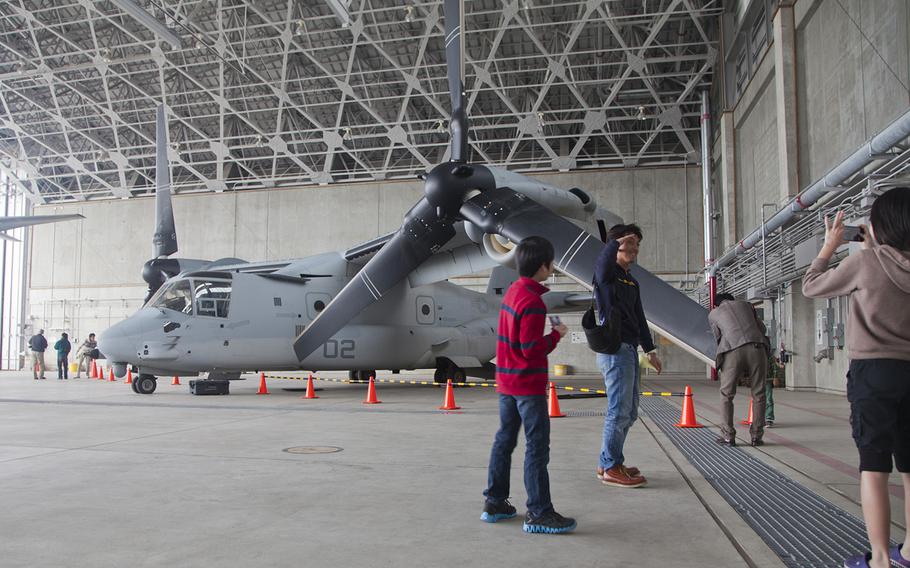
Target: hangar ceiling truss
(268, 93)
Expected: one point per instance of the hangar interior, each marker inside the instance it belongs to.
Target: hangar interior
(300, 127)
(294, 131)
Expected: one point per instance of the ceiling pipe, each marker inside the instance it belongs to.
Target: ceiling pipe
(827, 184)
(149, 21)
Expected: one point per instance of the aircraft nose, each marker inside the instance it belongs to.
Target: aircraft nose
(117, 342)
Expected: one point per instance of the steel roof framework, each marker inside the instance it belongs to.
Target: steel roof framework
(264, 93)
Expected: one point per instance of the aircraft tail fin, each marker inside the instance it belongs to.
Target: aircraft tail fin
(500, 279)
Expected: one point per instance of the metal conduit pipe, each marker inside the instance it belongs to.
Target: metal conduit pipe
(707, 196)
(867, 153)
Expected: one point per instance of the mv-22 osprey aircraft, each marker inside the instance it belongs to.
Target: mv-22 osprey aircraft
(384, 304)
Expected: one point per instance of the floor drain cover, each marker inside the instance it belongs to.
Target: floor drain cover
(313, 450)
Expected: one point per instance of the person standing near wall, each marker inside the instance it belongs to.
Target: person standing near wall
(742, 352)
(84, 354)
(63, 347)
(617, 289)
(37, 344)
(877, 280)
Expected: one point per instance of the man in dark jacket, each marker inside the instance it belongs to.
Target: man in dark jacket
(521, 379)
(63, 347)
(37, 344)
(742, 352)
(616, 289)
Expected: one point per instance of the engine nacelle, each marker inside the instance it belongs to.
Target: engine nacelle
(474, 232)
(499, 249)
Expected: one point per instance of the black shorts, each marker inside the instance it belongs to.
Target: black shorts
(879, 395)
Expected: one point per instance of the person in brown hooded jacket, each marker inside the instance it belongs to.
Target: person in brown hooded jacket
(877, 279)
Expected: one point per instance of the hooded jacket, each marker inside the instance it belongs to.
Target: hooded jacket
(878, 283)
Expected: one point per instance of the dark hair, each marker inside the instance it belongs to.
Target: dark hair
(617, 231)
(721, 298)
(531, 254)
(91, 335)
(891, 218)
(64, 334)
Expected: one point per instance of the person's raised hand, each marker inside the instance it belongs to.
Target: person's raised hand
(834, 231)
(562, 329)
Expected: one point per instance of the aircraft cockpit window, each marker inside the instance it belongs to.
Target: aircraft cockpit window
(213, 298)
(177, 296)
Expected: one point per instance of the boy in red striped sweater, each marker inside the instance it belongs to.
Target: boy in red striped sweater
(521, 378)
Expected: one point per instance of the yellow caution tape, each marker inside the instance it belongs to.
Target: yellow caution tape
(466, 384)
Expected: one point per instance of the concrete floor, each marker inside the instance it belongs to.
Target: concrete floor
(94, 475)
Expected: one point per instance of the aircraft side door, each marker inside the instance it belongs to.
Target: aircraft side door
(426, 310)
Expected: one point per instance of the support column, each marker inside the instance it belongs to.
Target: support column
(727, 141)
(785, 96)
(800, 340)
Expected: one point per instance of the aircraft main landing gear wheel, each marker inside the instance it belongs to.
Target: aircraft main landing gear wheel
(145, 384)
(451, 371)
(133, 386)
(361, 375)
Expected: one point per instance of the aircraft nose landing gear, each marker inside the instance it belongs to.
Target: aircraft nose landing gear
(145, 384)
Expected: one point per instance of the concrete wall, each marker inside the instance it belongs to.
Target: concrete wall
(852, 75)
(86, 274)
(849, 88)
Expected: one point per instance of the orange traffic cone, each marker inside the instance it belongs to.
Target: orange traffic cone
(94, 373)
(129, 376)
(110, 377)
(449, 402)
(555, 412)
(263, 389)
(371, 394)
(310, 391)
(100, 372)
(176, 381)
(687, 420)
(748, 421)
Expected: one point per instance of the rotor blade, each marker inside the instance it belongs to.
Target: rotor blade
(515, 216)
(9, 223)
(458, 126)
(165, 239)
(421, 235)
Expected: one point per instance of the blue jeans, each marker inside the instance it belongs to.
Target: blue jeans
(620, 372)
(513, 411)
(62, 368)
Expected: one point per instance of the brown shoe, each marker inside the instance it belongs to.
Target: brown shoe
(618, 476)
(632, 471)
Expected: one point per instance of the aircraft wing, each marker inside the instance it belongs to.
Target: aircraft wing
(9, 223)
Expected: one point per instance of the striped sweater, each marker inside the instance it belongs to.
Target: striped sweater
(521, 353)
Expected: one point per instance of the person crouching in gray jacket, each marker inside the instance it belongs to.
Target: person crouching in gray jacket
(742, 352)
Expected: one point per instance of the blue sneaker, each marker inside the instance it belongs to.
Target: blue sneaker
(858, 561)
(493, 512)
(549, 523)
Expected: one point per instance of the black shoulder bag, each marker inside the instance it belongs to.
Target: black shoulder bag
(602, 338)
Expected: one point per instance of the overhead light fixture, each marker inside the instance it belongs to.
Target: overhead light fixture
(22, 66)
(525, 5)
(409, 14)
(301, 27)
(200, 44)
(347, 133)
(540, 122)
(440, 126)
(641, 113)
(149, 21)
